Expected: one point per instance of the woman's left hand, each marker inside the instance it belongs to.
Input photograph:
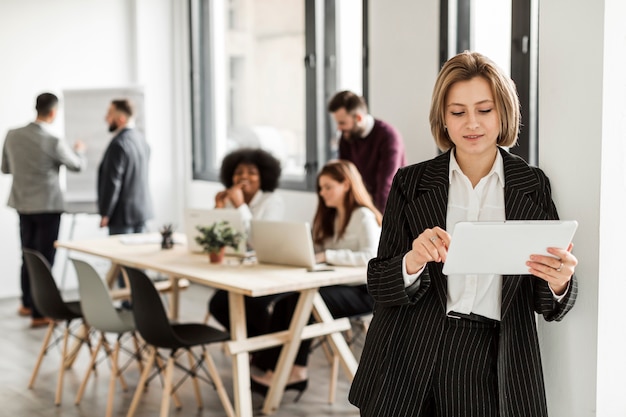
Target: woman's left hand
(320, 257)
(558, 271)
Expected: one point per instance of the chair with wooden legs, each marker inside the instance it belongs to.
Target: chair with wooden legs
(49, 302)
(103, 317)
(155, 328)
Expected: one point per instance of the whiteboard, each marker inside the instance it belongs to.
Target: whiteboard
(85, 112)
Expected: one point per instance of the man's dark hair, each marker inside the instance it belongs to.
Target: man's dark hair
(268, 166)
(46, 102)
(124, 106)
(347, 100)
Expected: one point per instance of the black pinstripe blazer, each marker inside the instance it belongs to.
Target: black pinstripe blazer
(404, 335)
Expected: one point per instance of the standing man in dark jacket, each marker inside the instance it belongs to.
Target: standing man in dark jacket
(124, 201)
(374, 146)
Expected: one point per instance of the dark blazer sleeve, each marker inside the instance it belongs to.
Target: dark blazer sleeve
(384, 274)
(529, 197)
(111, 178)
(545, 303)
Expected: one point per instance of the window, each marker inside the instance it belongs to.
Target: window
(262, 73)
(506, 32)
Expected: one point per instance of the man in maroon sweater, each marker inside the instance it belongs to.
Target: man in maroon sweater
(375, 147)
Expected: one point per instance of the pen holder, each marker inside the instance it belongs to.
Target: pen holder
(167, 234)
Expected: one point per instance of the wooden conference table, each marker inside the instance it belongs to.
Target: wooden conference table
(241, 279)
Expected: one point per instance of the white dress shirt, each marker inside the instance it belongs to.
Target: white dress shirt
(476, 293)
(369, 125)
(358, 244)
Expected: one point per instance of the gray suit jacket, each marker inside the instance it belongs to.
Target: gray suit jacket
(33, 156)
(404, 335)
(123, 185)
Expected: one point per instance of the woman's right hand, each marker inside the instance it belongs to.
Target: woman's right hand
(220, 199)
(430, 246)
(235, 194)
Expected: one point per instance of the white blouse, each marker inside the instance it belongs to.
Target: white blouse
(263, 206)
(358, 244)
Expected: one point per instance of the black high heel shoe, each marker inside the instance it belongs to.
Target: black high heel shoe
(299, 386)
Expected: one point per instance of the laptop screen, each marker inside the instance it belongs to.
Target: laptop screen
(283, 243)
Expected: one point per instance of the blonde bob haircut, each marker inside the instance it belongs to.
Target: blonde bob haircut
(464, 67)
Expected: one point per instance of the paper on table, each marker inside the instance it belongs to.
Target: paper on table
(144, 238)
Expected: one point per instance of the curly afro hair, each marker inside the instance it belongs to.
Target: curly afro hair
(266, 163)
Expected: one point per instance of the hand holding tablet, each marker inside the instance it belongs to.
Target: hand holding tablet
(505, 247)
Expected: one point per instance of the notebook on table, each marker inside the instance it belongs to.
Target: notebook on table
(206, 217)
(504, 247)
(284, 243)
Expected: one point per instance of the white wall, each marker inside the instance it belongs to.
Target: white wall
(45, 47)
(571, 143)
(612, 285)
(404, 54)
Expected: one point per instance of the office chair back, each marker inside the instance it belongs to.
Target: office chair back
(151, 319)
(97, 304)
(44, 290)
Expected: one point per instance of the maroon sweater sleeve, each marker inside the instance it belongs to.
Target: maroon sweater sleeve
(377, 156)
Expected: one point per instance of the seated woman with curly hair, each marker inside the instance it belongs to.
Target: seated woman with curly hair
(250, 177)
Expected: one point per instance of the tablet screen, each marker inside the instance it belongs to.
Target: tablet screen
(504, 247)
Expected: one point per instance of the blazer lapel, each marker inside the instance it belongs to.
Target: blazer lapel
(520, 193)
(427, 208)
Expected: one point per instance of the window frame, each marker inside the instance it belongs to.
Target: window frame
(524, 69)
(320, 65)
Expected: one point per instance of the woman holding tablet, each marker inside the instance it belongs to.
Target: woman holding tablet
(346, 230)
(461, 345)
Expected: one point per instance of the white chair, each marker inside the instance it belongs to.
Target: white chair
(102, 316)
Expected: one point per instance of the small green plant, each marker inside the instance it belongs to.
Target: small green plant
(217, 236)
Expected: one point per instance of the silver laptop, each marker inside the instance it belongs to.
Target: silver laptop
(284, 243)
(206, 217)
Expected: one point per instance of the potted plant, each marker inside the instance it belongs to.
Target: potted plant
(215, 238)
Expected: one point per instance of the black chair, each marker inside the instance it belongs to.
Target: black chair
(155, 328)
(48, 299)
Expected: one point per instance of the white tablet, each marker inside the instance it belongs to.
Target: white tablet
(504, 247)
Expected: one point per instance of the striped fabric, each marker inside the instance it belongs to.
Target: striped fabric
(460, 390)
(404, 337)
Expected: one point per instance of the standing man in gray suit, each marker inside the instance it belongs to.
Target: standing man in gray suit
(33, 155)
(124, 201)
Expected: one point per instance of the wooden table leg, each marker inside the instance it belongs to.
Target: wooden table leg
(174, 297)
(336, 340)
(241, 361)
(289, 351)
(112, 274)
